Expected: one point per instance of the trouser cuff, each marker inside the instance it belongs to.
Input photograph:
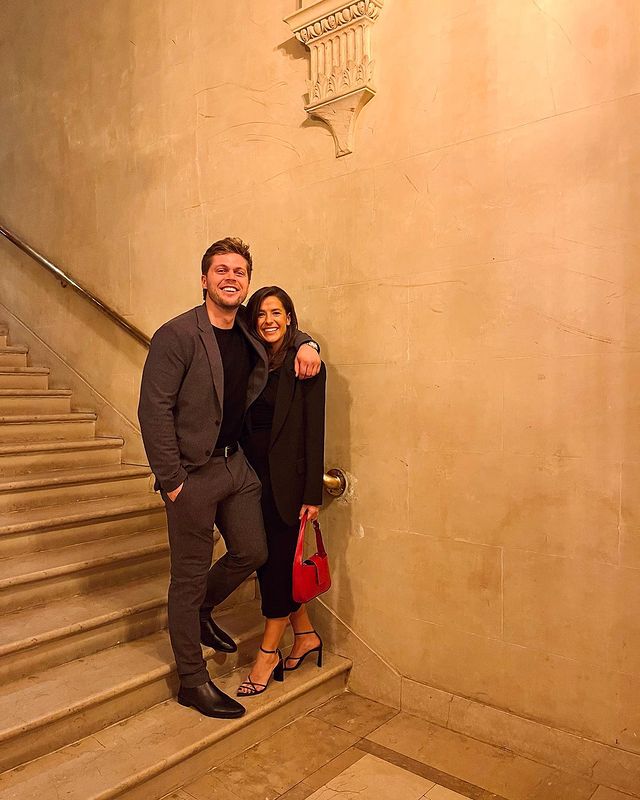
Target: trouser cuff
(191, 681)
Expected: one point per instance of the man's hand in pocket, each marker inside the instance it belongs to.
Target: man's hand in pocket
(172, 495)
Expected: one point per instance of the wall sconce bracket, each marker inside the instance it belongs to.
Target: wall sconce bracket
(338, 35)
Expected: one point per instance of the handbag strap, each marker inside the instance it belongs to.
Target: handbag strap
(319, 540)
(299, 555)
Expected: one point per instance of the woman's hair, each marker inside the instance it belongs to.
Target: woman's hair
(253, 309)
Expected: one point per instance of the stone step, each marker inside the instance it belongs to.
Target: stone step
(47, 427)
(24, 377)
(72, 486)
(155, 751)
(13, 355)
(60, 526)
(41, 713)
(40, 637)
(27, 580)
(23, 458)
(35, 401)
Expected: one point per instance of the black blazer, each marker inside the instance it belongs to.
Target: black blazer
(181, 394)
(296, 449)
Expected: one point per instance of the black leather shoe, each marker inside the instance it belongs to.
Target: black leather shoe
(214, 636)
(210, 701)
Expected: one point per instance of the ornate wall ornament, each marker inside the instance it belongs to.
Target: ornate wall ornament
(338, 35)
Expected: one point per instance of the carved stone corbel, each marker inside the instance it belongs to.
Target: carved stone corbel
(338, 35)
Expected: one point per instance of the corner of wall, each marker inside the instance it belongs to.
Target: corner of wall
(371, 676)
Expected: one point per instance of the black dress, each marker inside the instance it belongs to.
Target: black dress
(274, 577)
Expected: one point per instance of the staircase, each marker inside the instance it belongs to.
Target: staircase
(87, 679)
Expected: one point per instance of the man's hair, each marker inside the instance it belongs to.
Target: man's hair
(229, 245)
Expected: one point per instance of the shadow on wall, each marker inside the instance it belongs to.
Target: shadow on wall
(292, 49)
(335, 612)
(295, 50)
(337, 512)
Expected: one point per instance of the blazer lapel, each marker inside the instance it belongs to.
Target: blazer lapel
(258, 377)
(284, 398)
(213, 352)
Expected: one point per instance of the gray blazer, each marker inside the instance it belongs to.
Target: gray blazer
(181, 394)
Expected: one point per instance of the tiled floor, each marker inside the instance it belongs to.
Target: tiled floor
(370, 778)
(355, 749)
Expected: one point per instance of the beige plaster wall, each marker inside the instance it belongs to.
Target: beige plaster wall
(471, 271)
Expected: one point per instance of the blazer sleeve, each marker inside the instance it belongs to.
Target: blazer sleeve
(162, 377)
(314, 390)
(301, 338)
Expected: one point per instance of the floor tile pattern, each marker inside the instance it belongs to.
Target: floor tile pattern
(371, 778)
(355, 749)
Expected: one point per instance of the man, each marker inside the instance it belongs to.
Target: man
(203, 371)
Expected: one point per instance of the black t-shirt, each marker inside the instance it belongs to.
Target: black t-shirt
(237, 364)
(256, 444)
(263, 409)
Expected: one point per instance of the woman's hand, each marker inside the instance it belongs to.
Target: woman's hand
(312, 512)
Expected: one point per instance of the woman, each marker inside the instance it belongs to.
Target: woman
(284, 443)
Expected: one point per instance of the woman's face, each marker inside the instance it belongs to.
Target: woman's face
(272, 322)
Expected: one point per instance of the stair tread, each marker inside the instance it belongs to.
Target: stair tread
(30, 627)
(11, 392)
(65, 477)
(26, 702)
(13, 348)
(21, 448)
(13, 522)
(24, 568)
(4, 370)
(72, 416)
(107, 763)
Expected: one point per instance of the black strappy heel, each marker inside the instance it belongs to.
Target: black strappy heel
(317, 649)
(254, 688)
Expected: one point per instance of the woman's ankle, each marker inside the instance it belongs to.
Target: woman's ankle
(305, 635)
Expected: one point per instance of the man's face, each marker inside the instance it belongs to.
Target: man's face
(227, 280)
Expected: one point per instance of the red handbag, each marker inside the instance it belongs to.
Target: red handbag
(311, 576)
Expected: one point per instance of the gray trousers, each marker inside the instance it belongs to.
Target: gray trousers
(224, 491)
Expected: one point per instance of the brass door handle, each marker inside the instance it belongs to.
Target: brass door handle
(335, 482)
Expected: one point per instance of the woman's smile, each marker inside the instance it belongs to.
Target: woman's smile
(272, 322)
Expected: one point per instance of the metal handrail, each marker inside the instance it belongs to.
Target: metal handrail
(67, 280)
(334, 481)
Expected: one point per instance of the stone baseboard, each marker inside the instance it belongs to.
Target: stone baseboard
(601, 763)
